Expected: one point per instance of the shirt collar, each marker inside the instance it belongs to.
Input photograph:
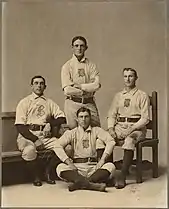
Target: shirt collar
(74, 58)
(36, 96)
(132, 91)
(87, 130)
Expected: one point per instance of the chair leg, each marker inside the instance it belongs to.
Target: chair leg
(139, 163)
(155, 160)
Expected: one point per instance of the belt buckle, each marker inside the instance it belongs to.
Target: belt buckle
(90, 162)
(41, 128)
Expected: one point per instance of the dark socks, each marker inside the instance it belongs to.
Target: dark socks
(127, 161)
(80, 182)
(100, 176)
(34, 171)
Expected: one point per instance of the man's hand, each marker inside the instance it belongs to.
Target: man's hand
(112, 132)
(47, 131)
(78, 86)
(100, 164)
(127, 132)
(70, 163)
(39, 145)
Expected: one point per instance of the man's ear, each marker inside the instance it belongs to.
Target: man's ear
(86, 47)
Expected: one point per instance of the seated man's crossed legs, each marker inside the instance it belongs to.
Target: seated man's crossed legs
(86, 176)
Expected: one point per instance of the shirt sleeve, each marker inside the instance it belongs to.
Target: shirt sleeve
(113, 111)
(94, 84)
(21, 112)
(61, 143)
(145, 106)
(145, 112)
(65, 76)
(55, 110)
(107, 139)
(72, 91)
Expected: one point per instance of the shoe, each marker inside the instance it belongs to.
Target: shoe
(48, 179)
(73, 186)
(37, 182)
(101, 187)
(110, 182)
(121, 182)
(90, 186)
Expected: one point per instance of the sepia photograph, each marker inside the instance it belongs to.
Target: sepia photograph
(84, 114)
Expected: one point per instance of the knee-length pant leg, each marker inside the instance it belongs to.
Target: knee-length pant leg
(85, 169)
(27, 148)
(130, 141)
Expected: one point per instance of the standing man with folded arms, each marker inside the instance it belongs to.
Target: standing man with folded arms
(80, 80)
(127, 119)
(36, 116)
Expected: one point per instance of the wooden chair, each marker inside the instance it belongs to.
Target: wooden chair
(149, 142)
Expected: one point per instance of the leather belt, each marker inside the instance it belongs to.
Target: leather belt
(35, 127)
(124, 119)
(81, 100)
(84, 160)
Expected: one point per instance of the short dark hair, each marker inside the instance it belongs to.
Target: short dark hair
(38, 76)
(131, 69)
(79, 38)
(83, 109)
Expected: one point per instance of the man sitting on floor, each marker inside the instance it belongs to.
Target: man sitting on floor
(83, 170)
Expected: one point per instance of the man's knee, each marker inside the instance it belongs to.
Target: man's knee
(61, 167)
(129, 143)
(29, 153)
(138, 135)
(110, 167)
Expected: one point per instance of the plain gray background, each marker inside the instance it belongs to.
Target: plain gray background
(36, 39)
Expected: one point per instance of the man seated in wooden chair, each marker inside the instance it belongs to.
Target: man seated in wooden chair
(36, 115)
(127, 119)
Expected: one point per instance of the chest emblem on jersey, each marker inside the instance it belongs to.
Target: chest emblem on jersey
(85, 143)
(127, 102)
(81, 72)
(40, 111)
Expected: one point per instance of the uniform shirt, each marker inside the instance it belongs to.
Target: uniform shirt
(132, 104)
(36, 110)
(83, 142)
(83, 73)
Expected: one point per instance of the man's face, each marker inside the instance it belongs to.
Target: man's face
(38, 86)
(79, 48)
(83, 119)
(129, 78)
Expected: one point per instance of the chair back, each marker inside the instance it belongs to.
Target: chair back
(153, 123)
